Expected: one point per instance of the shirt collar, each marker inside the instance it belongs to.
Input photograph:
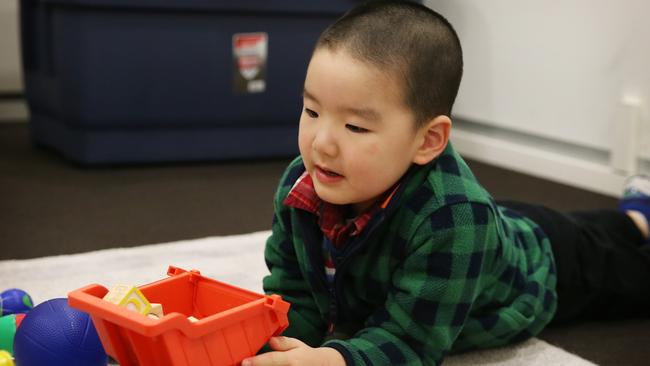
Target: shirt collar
(332, 218)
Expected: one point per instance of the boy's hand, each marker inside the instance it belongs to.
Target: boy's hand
(290, 351)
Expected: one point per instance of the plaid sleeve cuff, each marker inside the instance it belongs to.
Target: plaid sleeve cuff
(374, 347)
(347, 355)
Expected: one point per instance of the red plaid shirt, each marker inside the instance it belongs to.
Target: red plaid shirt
(331, 218)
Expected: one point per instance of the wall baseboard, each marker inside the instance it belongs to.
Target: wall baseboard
(569, 165)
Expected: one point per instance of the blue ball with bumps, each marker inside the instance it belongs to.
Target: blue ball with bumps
(55, 334)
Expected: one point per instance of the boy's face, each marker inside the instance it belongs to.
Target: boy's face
(357, 138)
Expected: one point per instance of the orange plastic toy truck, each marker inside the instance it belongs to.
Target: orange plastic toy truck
(233, 323)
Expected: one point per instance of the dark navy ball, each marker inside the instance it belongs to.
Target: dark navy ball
(55, 334)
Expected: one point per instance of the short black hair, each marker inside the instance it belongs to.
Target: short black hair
(415, 43)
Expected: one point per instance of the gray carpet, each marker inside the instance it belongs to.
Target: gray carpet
(50, 206)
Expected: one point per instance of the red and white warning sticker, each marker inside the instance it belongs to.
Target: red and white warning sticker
(249, 56)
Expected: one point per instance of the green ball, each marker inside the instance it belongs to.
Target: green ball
(8, 326)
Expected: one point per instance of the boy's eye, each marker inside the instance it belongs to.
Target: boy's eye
(356, 129)
(311, 113)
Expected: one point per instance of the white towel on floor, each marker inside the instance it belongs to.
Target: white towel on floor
(238, 260)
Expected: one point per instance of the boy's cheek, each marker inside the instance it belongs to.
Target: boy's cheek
(303, 143)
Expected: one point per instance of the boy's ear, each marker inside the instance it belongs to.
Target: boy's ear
(432, 139)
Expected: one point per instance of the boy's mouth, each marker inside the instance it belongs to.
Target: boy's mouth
(330, 173)
(326, 173)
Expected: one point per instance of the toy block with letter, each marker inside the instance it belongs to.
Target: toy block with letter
(129, 297)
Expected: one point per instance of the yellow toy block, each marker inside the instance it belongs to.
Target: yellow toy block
(130, 297)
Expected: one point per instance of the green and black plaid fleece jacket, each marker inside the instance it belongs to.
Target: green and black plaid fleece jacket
(442, 269)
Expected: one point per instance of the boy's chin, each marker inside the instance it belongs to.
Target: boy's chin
(331, 196)
(334, 199)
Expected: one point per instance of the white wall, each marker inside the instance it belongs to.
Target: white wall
(10, 72)
(550, 77)
(10, 79)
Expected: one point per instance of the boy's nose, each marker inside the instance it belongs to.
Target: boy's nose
(325, 143)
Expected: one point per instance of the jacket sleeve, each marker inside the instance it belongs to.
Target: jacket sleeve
(432, 291)
(287, 280)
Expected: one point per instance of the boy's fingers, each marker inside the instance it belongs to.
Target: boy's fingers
(267, 359)
(285, 343)
(278, 358)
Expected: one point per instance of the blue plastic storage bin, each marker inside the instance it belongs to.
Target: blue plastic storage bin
(132, 81)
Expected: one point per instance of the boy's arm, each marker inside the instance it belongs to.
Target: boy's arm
(287, 280)
(432, 292)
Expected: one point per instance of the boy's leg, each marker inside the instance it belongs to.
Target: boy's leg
(602, 265)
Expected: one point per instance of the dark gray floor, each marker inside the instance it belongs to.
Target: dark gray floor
(50, 206)
(54, 207)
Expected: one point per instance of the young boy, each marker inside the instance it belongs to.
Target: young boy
(387, 247)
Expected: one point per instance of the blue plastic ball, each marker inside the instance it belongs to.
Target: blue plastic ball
(55, 334)
(14, 301)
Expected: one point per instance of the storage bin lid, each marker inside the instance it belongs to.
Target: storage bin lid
(285, 6)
